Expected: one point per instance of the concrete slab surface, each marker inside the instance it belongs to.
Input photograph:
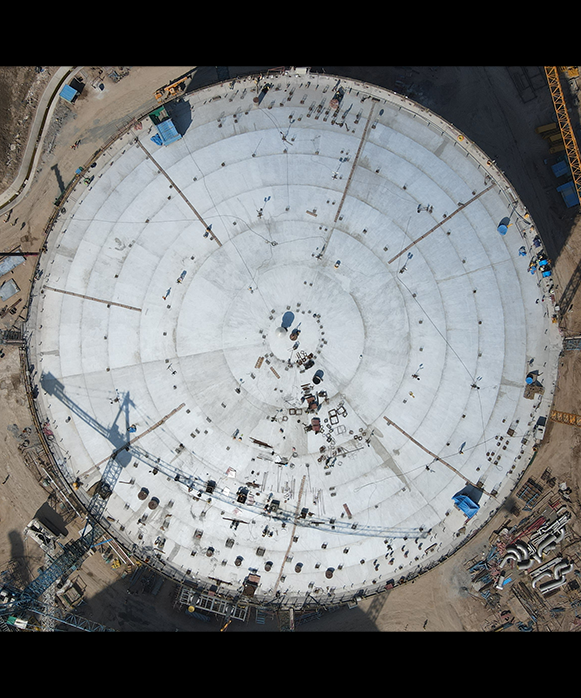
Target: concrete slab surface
(303, 321)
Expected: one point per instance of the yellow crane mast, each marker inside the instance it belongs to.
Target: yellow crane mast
(569, 140)
(566, 418)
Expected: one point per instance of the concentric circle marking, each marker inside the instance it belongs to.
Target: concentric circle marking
(275, 320)
(347, 331)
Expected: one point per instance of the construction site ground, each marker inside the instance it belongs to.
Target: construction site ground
(496, 108)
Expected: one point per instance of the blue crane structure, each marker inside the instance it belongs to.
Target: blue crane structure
(13, 601)
(28, 600)
(71, 556)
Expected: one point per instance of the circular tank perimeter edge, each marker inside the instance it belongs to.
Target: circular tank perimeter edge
(301, 337)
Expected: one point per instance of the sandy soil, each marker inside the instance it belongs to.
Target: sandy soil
(20, 89)
(123, 597)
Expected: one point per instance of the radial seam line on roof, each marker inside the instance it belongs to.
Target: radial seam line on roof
(355, 160)
(460, 208)
(179, 191)
(417, 443)
(91, 298)
(292, 532)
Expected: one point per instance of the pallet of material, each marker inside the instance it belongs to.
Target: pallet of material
(547, 128)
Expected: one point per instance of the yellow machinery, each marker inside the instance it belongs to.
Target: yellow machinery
(571, 70)
(569, 140)
(171, 90)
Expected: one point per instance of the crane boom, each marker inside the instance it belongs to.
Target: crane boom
(74, 551)
(566, 418)
(569, 140)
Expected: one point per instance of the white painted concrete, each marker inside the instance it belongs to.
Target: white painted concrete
(310, 209)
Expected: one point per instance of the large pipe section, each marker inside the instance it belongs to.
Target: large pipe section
(559, 573)
(520, 552)
(544, 570)
(526, 554)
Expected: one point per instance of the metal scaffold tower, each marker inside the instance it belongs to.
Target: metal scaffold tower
(572, 343)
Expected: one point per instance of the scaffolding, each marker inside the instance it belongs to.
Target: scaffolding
(213, 603)
(530, 492)
(572, 343)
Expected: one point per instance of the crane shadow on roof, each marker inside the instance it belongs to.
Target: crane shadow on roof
(118, 433)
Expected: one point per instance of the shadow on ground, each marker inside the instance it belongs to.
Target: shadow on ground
(149, 605)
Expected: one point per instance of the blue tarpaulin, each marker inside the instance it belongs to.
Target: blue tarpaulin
(465, 504)
(569, 194)
(467, 499)
(167, 132)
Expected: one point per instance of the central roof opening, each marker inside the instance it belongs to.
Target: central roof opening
(324, 337)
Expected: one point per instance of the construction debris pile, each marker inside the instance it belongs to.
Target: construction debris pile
(529, 576)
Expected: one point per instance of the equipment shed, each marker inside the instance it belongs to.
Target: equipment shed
(68, 93)
(166, 130)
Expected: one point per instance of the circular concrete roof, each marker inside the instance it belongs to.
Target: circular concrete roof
(303, 320)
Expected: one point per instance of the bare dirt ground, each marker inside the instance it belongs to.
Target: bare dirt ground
(20, 89)
(495, 110)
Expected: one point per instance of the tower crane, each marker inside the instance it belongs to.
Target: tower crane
(569, 140)
(14, 601)
(192, 481)
(565, 418)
